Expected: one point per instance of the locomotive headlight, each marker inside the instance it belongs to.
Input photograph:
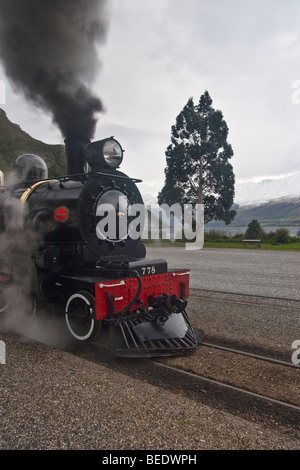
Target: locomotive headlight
(112, 153)
(104, 153)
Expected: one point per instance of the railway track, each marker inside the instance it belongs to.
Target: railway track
(210, 292)
(267, 326)
(243, 393)
(255, 356)
(248, 381)
(229, 386)
(280, 369)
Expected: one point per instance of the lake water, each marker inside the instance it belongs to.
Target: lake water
(233, 230)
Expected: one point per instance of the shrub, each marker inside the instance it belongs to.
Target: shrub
(270, 237)
(282, 235)
(239, 236)
(215, 235)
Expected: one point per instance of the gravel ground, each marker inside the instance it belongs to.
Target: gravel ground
(50, 399)
(245, 271)
(262, 326)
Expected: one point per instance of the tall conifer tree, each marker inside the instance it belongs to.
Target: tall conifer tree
(198, 170)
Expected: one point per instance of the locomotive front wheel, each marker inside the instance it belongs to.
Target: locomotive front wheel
(80, 316)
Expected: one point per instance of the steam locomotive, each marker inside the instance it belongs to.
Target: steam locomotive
(85, 259)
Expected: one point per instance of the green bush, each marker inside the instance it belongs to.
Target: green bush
(282, 235)
(215, 235)
(270, 237)
(239, 236)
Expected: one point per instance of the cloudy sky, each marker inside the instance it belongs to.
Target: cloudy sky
(159, 53)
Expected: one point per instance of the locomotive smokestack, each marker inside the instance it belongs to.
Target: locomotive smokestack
(75, 155)
(49, 51)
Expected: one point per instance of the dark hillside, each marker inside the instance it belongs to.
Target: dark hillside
(281, 212)
(14, 142)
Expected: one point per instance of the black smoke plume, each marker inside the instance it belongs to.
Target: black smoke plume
(48, 49)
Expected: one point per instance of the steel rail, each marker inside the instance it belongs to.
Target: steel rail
(248, 354)
(193, 292)
(242, 302)
(229, 387)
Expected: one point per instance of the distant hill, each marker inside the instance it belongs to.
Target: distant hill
(283, 212)
(15, 142)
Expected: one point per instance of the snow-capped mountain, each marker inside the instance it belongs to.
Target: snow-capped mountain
(256, 193)
(251, 193)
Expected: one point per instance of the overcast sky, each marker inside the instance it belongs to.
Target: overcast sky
(159, 53)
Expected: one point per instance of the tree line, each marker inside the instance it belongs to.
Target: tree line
(254, 232)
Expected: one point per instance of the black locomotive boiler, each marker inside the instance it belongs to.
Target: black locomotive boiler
(87, 260)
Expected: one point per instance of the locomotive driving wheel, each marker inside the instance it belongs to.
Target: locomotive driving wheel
(80, 316)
